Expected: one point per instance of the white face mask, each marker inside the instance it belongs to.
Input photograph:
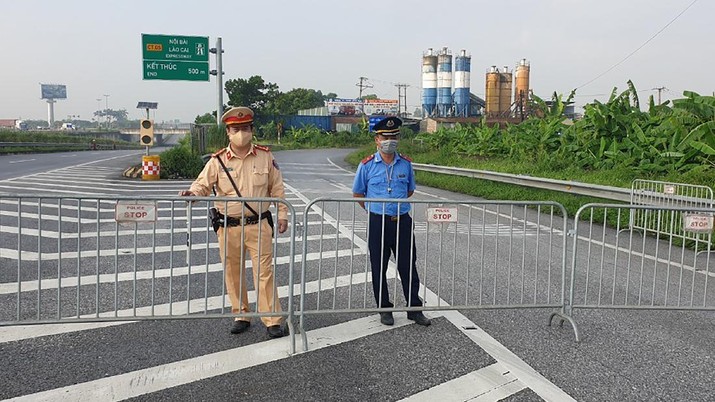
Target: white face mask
(241, 138)
(388, 146)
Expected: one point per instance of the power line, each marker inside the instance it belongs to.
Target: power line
(639, 47)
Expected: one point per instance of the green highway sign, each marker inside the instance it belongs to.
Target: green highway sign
(176, 70)
(177, 58)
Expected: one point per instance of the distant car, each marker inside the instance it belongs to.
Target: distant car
(68, 126)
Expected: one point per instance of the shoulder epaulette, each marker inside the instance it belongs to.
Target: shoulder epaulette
(367, 159)
(262, 147)
(405, 157)
(219, 152)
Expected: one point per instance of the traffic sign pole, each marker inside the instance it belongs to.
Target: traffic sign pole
(147, 147)
(219, 80)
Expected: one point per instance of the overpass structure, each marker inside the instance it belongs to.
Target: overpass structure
(162, 136)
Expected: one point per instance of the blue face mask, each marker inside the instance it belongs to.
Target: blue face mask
(388, 146)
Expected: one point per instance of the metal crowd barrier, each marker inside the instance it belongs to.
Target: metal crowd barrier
(666, 194)
(89, 259)
(470, 255)
(618, 268)
(95, 259)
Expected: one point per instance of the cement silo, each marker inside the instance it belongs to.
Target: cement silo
(462, 67)
(444, 82)
(429, 83)
(505, 79)
(492, 91)
(521, 84)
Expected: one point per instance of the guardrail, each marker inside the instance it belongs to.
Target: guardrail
(44, 144)
(592, 190)
(72, 145)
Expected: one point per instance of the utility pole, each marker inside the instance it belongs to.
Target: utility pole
(659, 89)
(361, 85)
(401, 98)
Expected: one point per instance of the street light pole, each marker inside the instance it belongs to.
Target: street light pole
(99, 108)
(106, 107)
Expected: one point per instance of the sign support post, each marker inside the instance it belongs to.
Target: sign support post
(218, 72)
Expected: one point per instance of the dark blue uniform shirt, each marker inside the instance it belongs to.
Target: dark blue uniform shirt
(376, 179)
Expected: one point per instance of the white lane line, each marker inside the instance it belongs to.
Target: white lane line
(180, 308)
(533, 379)
(166, 376)
(73, 166)
(491, 383)
(176, 272)
(21, 161)
(153, 379)
(525, 373)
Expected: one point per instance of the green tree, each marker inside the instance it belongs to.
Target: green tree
(206, 118)
(117, 116)
(254, 92)
(297, 99)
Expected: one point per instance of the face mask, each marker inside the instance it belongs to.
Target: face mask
(241, 138)
(388, 146)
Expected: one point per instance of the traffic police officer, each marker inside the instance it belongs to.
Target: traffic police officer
(387, 174)
(256, 174)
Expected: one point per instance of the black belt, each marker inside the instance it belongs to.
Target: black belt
(392, 218)
(247, 220)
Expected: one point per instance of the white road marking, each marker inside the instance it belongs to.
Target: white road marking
(173, 374)
(490, 383)
(153, 379)
(21, 161)
(68, 167)
(538, 383)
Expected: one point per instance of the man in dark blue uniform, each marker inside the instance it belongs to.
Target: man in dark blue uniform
(387, 174)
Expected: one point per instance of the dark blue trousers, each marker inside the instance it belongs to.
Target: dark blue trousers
(405, 252)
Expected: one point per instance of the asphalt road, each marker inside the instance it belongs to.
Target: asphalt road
(483, 354)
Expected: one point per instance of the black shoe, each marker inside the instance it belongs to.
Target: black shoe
(386, 319)
(275, 331)
(419, 318)
(240, 326)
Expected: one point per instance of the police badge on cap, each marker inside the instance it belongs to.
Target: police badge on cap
(238, 116)
(388, 126)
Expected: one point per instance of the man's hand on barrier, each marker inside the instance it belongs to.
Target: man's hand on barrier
(282, 225)
(185, 193)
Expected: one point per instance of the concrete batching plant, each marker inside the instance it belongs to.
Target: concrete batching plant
(461, 84)
(444, 82)
(429, 83)
(521, 87)
(498, 91)
(439, 99)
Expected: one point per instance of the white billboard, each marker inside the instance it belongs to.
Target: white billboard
(356, 107)
(53, 91)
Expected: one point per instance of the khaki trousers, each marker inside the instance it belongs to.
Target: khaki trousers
(262, 260)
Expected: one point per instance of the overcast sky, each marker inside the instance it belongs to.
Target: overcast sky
(94, 48)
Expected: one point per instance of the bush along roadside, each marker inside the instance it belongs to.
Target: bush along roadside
(180, 162)
(185, 160)
(612, 145)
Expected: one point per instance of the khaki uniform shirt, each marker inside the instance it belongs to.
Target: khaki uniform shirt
(256, 174)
